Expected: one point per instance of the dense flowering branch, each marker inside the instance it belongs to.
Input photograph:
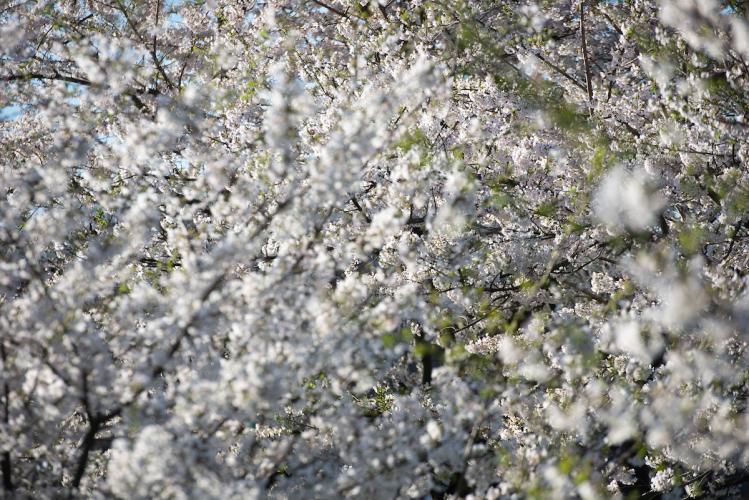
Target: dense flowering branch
(374, 249)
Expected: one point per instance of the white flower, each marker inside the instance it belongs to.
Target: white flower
(629, 340)
(602, 283)
(434, 430)
(623, 200)
(662, 480)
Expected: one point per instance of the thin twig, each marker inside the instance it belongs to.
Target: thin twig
(331, 9)
(41, 76)
(586, 61)
(560, 70)
(7, 467)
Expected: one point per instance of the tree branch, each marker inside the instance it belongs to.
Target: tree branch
(331, 9)
(360, 209)
(586, 61)
(86, 446)
(41, 76)
(560, 70)
(7, 467)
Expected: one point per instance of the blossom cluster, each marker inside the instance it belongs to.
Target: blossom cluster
(376, 249)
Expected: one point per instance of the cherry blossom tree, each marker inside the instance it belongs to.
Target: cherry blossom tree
(377, 249)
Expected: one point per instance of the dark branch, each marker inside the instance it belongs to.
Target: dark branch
(331, 9)
(41, 76)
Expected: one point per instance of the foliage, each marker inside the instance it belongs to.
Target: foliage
(406, 248)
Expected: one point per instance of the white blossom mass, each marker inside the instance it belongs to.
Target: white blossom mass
(374, 249)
